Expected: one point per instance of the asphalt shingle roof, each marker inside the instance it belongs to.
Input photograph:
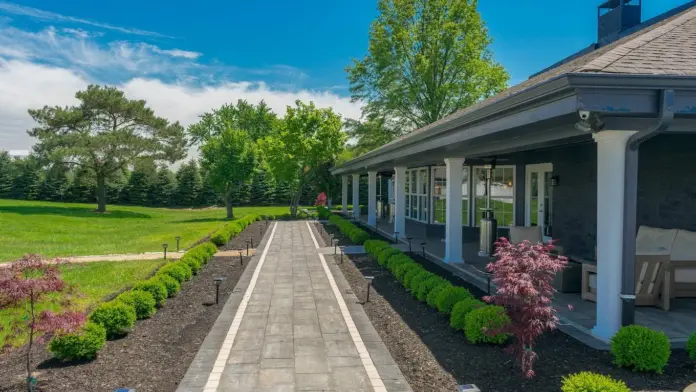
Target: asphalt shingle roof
(665, 47)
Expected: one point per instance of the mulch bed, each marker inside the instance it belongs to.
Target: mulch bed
(434, 357)
(253, 232)
(157, 353)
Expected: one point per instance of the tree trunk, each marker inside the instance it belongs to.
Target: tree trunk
(296, 197)
(228, 203)
(101, 193)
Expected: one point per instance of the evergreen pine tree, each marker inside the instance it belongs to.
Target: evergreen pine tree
(163, 188)
(207, 196)
(189, 183)
(7, 174)
(241, 195)
(282, 193)
(262, 189)
(54, 184)
(83, 188)
(27, 183)
(114, 186)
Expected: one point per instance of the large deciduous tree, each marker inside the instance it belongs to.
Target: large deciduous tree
(105, 134)
(257, 120)
(229, 159)
(306, 138)
(426, 59)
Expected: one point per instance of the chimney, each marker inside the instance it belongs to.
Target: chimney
(615, 17)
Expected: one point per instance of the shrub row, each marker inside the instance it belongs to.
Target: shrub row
(324, 213)
(117, 317)
(467, 314)
(357, 235)
(232, 229)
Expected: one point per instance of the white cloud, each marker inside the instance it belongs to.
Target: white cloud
(36, 13)
(26, 85)
(179, 53)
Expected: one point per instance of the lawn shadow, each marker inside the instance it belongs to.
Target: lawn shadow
(54, 363)
(82, 212)
(202, 220)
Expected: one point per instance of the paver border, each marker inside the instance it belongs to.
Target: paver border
(202, 365)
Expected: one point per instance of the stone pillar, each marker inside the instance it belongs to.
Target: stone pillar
(453, 224)
(356, 196)
(400, 200)
(611, 159)
(372, 198)
(344, 193)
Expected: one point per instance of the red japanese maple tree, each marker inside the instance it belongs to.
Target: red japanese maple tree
(523, 275)
(321, 199)
(23, 284)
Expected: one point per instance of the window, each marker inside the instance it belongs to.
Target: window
(417, 194)
(502, 194)
(440, 195)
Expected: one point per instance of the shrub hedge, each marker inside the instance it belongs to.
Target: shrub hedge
(142, 302)
(592, 382)
(431, 298)
(461, 309)
(357, 235)
(640, 348)
(424, 287)
(171, 284)
(691, 347)
(232, 229)
(155, 287)
(84, 344)
(386, 253)
(174, 270)
(116, 317)
(447, 298)
(479, 323)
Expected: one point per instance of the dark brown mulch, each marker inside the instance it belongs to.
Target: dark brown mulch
(153, 357)
(434, 357)
(253, 232)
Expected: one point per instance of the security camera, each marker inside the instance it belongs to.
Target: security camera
(585, 114)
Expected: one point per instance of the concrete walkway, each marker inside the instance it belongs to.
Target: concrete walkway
(292, 324)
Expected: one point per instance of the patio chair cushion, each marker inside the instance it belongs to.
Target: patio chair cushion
(518, 234)
(654, 241)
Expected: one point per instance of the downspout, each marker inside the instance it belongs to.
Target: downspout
(628, 294)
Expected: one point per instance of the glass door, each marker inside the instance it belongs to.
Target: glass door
(539, 198)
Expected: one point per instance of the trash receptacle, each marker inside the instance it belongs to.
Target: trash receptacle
(489, 232)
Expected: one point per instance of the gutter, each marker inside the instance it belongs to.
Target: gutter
(628, 280)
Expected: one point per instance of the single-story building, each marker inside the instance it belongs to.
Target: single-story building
(587, 150)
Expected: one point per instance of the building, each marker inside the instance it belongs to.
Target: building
(588, 150)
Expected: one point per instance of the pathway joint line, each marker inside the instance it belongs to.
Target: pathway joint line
(366, 359)
(224, 353)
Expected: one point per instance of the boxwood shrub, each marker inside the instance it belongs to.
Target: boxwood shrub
(174, 270)
(592, 382)
(188, 274)
(432, 296)
(428, 285)
(396, 260)
(480, 322)
(386, 253)
(374, 247)
(192, 263)
(640, 348)
(417, 279)
(116, 317)
(691, 347)
(155, 287)
(401, 270)
(142, 302)
(448, 297)
(171, 284)
(84, 344)
(461, 309)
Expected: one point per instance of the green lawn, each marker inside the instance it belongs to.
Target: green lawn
(92, 283)
(71, 229)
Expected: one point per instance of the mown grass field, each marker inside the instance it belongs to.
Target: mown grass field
(92, 282)
(70, 229)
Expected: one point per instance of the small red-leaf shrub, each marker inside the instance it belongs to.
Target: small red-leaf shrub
(523, 274)
(321, 199)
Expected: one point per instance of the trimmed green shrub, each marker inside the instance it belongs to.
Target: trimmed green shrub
(479, 323)
(592, 382)
(188, 274)
(116, 317)
(386, 253)
(401, 271)
(192, 262)
(408, 276)
(691, 347)
(171, 284)
(447, 298)
(232, 229)
(142, 302)
(461, 309)
(427, 285)
(155, 287)
(396, 260)
(432, 296)
(174, 270)
(417, 279)
(373, 247)
(640, 348)
(84, 344)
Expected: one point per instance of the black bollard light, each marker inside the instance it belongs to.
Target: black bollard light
(177, 242)
(335, 245)
(252, 241)
(217, 280)
(164, 247)
(422, 244)
(342, 250)
(369, 280)
(247, 245)
(409, 245)
(241, 260)
(396, 237)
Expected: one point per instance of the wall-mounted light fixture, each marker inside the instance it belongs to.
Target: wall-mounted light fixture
(554, 181)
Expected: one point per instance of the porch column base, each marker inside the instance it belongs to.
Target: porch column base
(453, 223)
(356, 196)
(372, 198)
(400, 200)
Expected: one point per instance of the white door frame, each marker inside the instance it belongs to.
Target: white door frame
(529, 169)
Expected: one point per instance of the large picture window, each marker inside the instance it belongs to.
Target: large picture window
(417, 183)
(502, 194)
(440, 195)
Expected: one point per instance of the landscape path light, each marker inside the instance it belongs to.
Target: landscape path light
(422, 244)
(369, 280)
(217, 280)
(178, 238)
(241, 260)
(247, 245)
(467, 388)
(164, 247)
(396, 237)
(409, 246)
(342, 250)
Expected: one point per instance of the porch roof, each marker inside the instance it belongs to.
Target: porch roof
(619, 81)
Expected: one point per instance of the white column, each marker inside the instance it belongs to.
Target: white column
(400, 200)
(611, 162)
(356, 195)
(344, 193)
(372, 198)
(453, 224)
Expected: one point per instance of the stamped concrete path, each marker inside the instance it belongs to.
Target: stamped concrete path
(293, 324)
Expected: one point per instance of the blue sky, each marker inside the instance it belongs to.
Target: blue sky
(187, 58)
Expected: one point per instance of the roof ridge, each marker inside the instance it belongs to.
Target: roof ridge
(613, 55)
